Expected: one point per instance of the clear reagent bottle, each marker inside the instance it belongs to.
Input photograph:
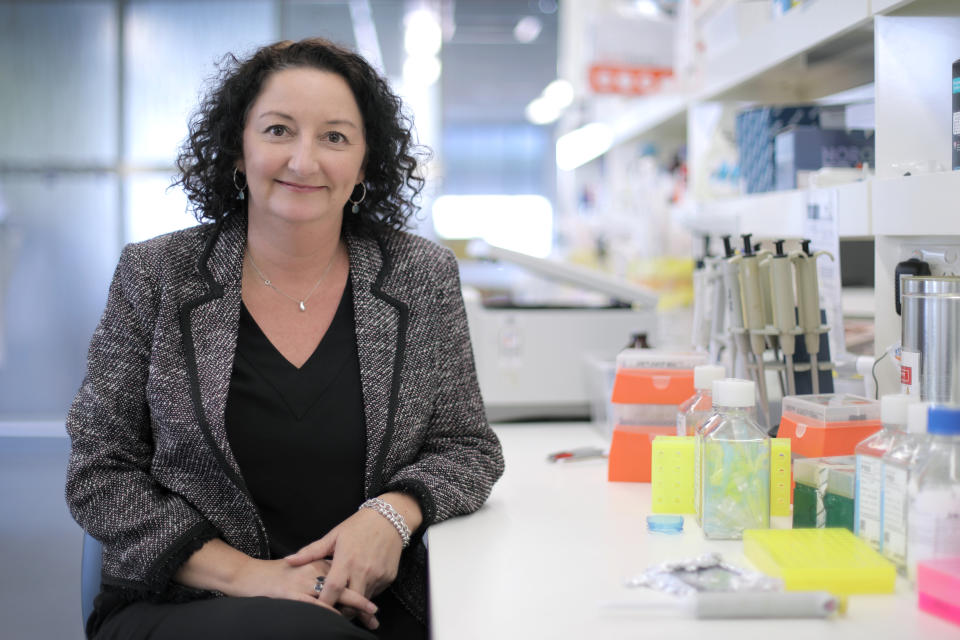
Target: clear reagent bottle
(735, 458)
(934, 494)
(695, 410)
(898, 465)
(868, 488)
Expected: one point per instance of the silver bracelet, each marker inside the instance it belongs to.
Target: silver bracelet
(385, 509)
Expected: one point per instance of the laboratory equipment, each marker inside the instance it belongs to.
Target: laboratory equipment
(898, 465)
(717, 605)
(828, 424)
(839, 501)
(698, 407)
(780, 474)
(930, 322)
(784, 310)
(670, 524)
(868, 521)
(739, 349)
(672, 475)
(754, 322)
(531, 353)
(938, 588)
(808, 305)
(649, 386)
(812, 478)
(735, 459)
(833, 560)
(578, 454)
(933, 520)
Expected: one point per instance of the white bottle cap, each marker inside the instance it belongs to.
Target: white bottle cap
(917, 417)
(731, 392)
(705, 374)
(893, 408)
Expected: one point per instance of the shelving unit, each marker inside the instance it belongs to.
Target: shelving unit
(904, 49)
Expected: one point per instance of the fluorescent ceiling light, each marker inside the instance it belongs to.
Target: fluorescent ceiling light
(521, 223)
(583, 145)
(421, 71)
(560, 93)
(541, 111)
(422, 36)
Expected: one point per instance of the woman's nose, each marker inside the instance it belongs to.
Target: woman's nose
(303, 160)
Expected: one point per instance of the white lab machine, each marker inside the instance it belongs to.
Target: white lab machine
(532, 360)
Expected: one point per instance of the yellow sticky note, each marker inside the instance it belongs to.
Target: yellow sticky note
(671, 474)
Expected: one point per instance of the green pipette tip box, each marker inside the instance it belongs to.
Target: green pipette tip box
(833, 560)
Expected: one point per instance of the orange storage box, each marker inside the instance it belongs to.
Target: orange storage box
(828, 424)
(648, 388)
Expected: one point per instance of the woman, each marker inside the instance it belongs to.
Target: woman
(256, 379)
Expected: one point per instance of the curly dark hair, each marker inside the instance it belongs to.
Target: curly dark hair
(208, 156)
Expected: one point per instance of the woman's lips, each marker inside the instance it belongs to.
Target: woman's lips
(300, 188)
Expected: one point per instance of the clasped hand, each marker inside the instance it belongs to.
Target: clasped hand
(364, 555)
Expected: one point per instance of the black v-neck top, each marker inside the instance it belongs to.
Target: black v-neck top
(299, 435)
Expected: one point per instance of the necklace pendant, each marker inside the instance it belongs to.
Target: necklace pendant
(303, 307)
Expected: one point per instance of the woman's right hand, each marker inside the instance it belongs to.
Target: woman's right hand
(277, 579)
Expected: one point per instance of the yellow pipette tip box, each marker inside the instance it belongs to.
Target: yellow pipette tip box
(833, 560)
(671, 474)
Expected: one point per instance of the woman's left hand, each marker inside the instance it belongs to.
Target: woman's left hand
(364, 550)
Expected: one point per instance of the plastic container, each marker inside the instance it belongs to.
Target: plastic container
(735, 464)
(868, 518)
(833, 560)
(651, 376)
(828, 424)
(811, 477)
(934, 492)
(898, 465)
(938, 588)
(695, 410)
(839, 500)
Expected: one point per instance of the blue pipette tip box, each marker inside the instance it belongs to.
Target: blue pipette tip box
(665, 524)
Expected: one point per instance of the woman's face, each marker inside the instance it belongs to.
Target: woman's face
(303, 146)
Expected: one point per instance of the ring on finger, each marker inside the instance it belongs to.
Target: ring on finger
(318, 587)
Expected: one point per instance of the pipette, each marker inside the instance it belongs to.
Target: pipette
(784, 316)
(808, 305)
(753, 319)
(766, 295)
(706, 605)
(734, 308)
(702, 300)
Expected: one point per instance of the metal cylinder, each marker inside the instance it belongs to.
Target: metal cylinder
(930, 358)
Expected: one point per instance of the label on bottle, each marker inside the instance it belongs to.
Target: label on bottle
(867, 520)
(895, 514)
(910, 372)
(933, 526)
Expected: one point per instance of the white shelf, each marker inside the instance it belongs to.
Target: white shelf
(800, 30)
(755, 60)
(920, 205)
(781, 214)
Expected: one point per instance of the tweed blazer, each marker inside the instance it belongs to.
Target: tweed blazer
(151, 474)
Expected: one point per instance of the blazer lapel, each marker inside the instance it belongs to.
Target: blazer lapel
(208, 323)
(381, 324)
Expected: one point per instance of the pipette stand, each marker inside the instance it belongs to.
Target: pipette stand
(801, 361)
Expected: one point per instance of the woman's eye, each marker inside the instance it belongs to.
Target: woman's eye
(277, 130)
(336, 137)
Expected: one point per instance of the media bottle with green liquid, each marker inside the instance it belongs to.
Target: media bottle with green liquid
(694, 413)
(735, 450)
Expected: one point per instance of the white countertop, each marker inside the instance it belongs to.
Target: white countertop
(556, 539)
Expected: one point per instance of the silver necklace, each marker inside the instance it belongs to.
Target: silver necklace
(301, 303)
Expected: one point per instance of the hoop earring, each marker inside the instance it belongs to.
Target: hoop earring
(356, 203)
(240, 194)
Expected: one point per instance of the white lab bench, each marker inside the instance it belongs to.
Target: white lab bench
(556, 539)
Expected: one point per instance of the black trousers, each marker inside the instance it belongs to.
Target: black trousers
(254, 619)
